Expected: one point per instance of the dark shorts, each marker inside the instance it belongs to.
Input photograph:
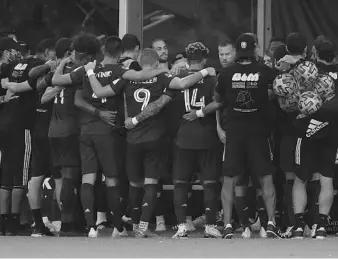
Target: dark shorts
(16, 158)
(189, 161)
(145, 160)
(41, 158)
(315, 155)
(65, 151)
(105, 152)
(247, 152)
(287, 153)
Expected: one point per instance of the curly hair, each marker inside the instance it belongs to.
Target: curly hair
(196, 51)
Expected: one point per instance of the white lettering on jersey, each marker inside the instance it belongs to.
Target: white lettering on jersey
(103, 100)
(193, 102)
(238, 77)
(314, 127)
(142, 95)
(20, 67)
(149, 81)
(104, 74)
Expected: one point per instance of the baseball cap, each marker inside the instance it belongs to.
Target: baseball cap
(326, 49)
(8, 43)
(245, 46)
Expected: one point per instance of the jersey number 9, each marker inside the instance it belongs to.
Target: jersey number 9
(142, 96)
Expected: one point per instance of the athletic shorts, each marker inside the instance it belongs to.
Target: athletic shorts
(145, 160)
(41, 157)
(315, 155)
(247, 152)
(65, 151)
(287, 153)
(105, 152)
(16, 158)
(189, 161)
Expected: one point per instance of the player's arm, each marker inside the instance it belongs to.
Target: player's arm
(50, 93)
(190, 80)
(17, 87)
(150, 110)
(36, 72)
(59, 78)
(142, 75)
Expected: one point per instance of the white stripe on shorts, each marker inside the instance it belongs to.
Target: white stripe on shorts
(27, 157)
(297, 152)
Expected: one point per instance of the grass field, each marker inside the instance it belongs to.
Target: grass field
(164, 246)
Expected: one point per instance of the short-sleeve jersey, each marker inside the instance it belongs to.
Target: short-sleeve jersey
(200, 133)
(106, 74)
(138, 96)
(64, 115)
(244, 90)
(20, 112)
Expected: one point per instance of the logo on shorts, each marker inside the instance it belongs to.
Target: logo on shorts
(314, 127)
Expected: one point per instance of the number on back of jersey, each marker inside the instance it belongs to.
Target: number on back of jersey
(103, 100)
(191, 101)
(142, 95)
(60, 97)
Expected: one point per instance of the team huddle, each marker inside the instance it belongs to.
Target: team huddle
(108, 121)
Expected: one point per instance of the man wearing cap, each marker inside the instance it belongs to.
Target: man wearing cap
(243, 89)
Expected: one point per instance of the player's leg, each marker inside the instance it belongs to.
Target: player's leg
(311, 214)
(101, 201)
(89, 164)
(183, 169)
(304, 157)
(210, 173)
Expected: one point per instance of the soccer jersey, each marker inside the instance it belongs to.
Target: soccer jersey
(138, 96)
(200, 133)
(106, 74)
(64, 115)
(131, 64)
(244, 91)
(20, 112)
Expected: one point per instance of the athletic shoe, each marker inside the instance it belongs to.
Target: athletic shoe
(298, 233)
(117, 234)
(102, 225)
(320, 233)
(160, 226)
(228, 232)
(39, 232)
(200, 221)
(93, 232)
(211, 231)
(262, 233)
(181, 232)
(246, 233)
(55, 226)
(272, 230)
(256, 226)
(190, 225)
(127, 220)
(141, 233)
(288, 232)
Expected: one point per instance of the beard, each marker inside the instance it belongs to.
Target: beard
(163, 60)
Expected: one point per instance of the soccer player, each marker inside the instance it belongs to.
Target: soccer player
(17, 119)
(317, 148)
(144, 156)
(160, 46)
(131, 45)
(243, 88)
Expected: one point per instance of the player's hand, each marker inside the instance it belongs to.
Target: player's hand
(108, 117)
(59, 88)
(4, 82)
(128, 123)
(52, 65)
(177, 68)
(67, 60)
(191, 116)
(221, 135)
(10, 96)
(211, 71)
(90, 66)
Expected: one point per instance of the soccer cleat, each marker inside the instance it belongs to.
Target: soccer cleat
(246, 233)
(181, 232)
(263, 233)
(288, 232)
(298, 233)
(211, 231)
(55, 226)
(160, 226)
(117, 234)
(228, 232)
(200, 221)
(44, 231)
(141, 233)
(272, 230)
(93, 232)
(190, 225)
(102, 225)
(320, 233)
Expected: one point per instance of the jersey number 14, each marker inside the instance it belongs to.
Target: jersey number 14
(191, 101)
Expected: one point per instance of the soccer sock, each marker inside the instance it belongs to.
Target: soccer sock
(251, 202)
(149, 202)
(299, 220)
(100, 197)
(191, 208)
(66, 196)
(113, 199)
(181, 202)
(101, 217)
(37, 216)
(322, 220)
(263, 216)
(15, 222)
(87, 198)
(124, 191)
(288, 203)
(210, 196)
(242, 211)
(135, 200)
(313, 213)
(159, 202)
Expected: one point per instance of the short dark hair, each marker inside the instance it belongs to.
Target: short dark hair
(113, 46)
(86, 43)
(226, 43)
(325, 47)
(156, 40)
(280, 52)
(277, 39)
(62, 46)
(148, 56)
(24, 50)
(44, 45)
(254, 36)
(130, 42)
(296, 43)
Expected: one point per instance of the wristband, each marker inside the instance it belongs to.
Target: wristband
(90, 72)
(200, 113)
(97, 112)
(204, 72)
(134, 121)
